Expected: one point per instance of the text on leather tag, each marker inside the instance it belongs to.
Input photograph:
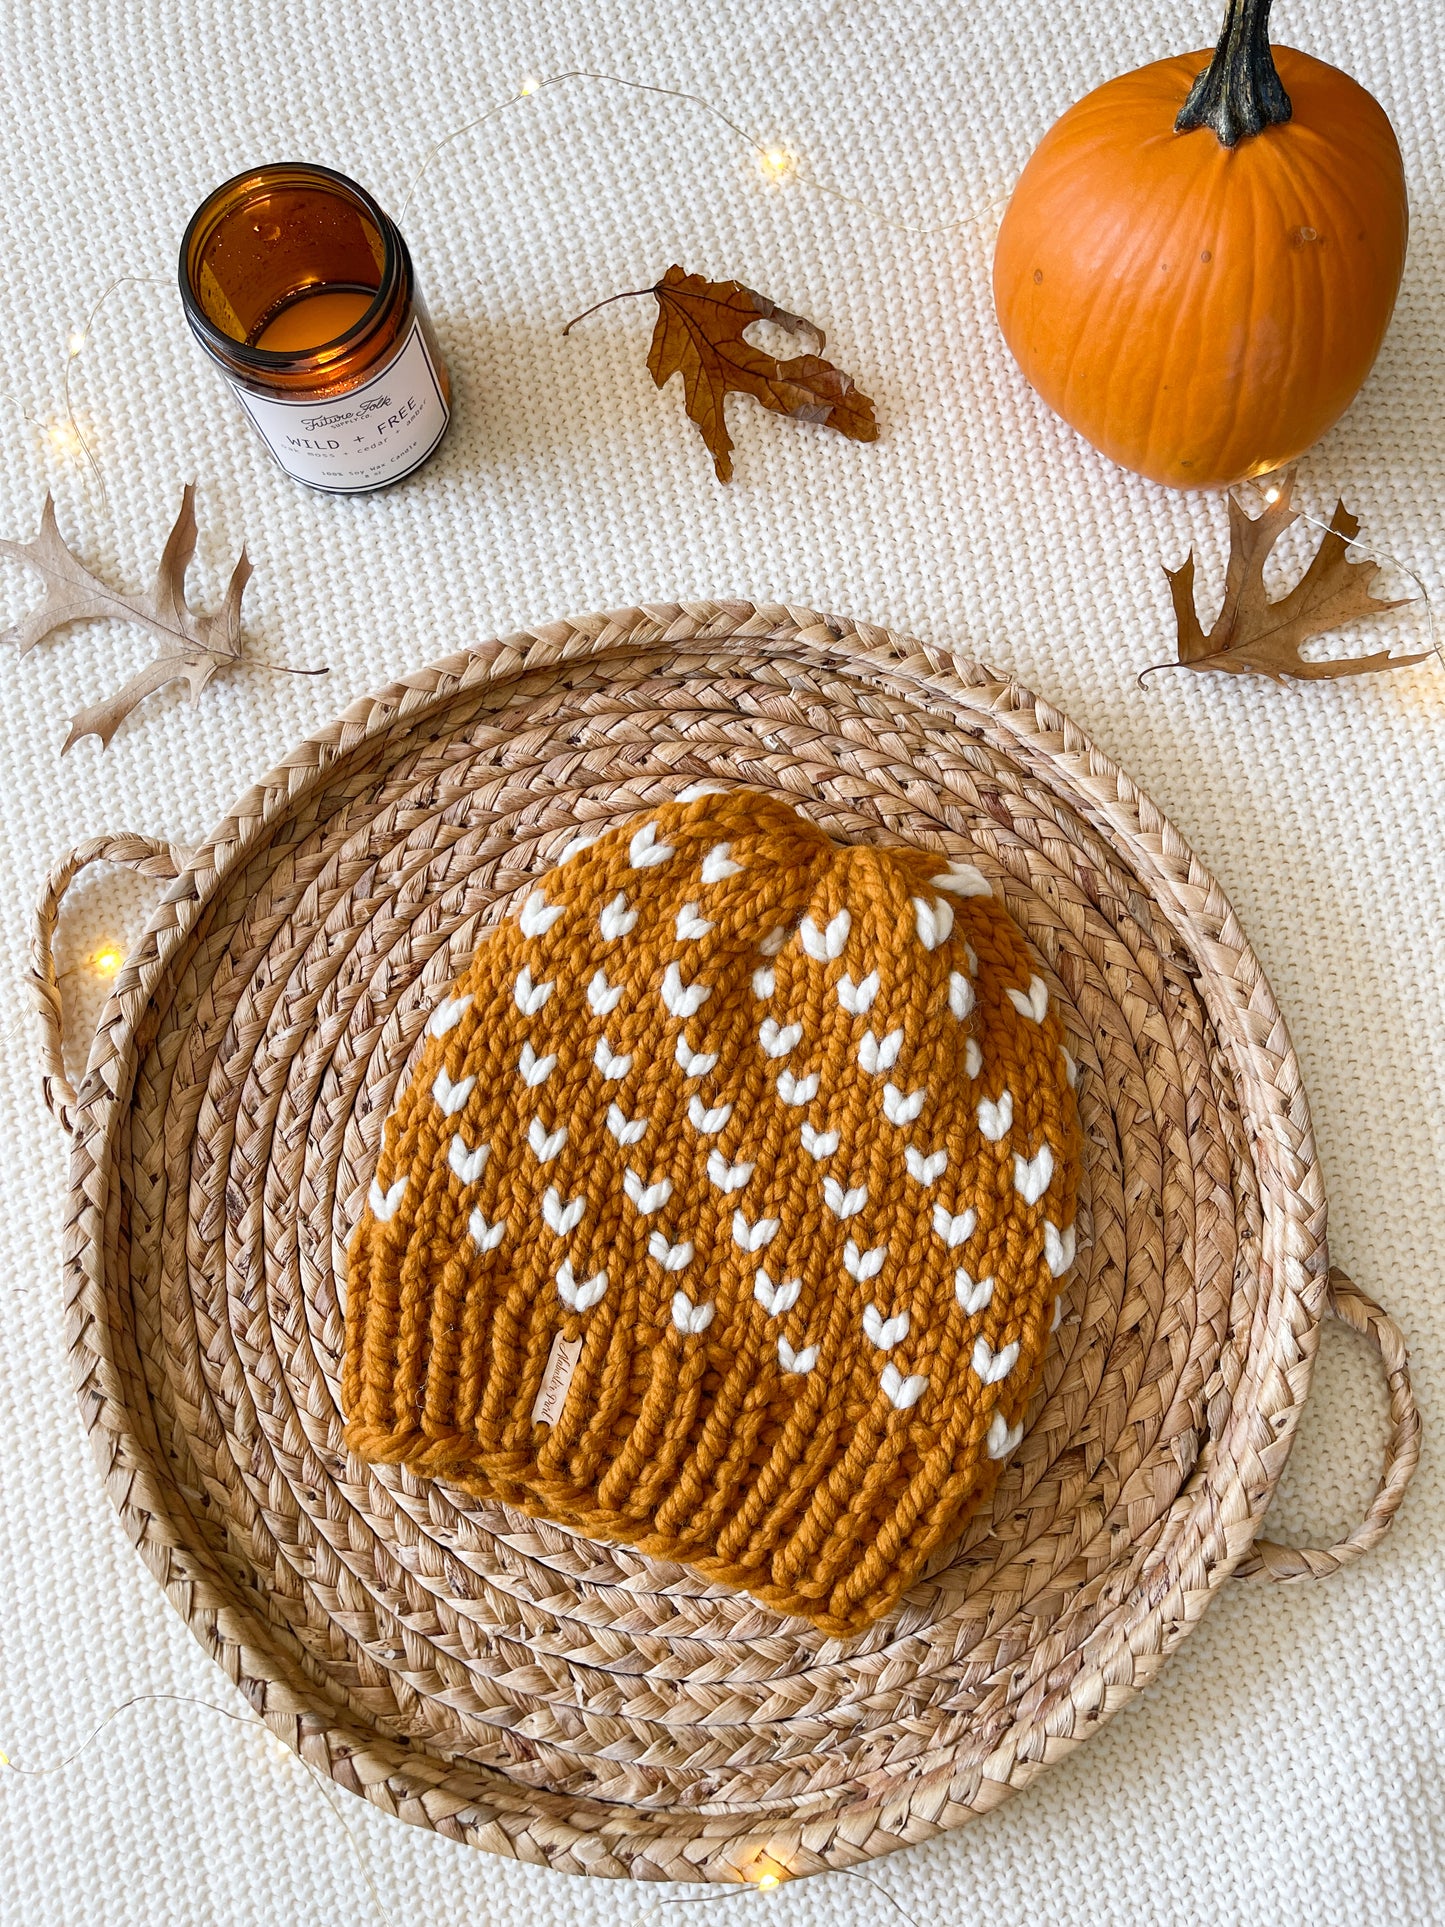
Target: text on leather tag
(552, 1394)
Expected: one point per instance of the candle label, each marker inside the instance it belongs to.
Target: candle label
(364, 438)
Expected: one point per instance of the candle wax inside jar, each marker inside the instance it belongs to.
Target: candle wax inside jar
(313, 320)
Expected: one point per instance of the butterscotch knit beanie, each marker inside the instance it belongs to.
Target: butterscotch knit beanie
(724, 1211)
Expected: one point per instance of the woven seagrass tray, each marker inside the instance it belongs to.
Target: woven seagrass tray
(572, 1703)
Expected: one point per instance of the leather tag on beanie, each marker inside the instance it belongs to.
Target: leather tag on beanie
(557, 1379)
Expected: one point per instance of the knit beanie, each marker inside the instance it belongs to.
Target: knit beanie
(724, 1211)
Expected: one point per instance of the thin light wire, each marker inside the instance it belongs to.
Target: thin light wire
(81, 337)
(75, 350)
(761, 148)
(705, 1900)
(754, 1889)
(249, 1720)
(1376, 553)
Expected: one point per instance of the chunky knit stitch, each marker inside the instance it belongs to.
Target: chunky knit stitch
(725, 1210)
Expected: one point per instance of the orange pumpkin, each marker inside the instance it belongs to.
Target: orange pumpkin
(1196, 270)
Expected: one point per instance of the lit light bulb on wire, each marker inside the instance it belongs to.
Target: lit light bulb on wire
(778, 163)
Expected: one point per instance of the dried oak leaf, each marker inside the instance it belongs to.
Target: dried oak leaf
(189, 647)
(1256, 637)
(701, 334)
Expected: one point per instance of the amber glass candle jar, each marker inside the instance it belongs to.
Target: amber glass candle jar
(298, 285)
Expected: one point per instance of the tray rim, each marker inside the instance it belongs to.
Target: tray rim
(1184, 891)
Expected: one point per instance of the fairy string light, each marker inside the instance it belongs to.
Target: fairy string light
(777, 162)
(770, 1882)
(1269, 494)
(253, 1723)
(69, 429)
(772, 1879)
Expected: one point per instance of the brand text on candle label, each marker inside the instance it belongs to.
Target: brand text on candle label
(364, 438)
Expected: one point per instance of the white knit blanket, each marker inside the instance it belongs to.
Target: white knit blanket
(1286, 1767)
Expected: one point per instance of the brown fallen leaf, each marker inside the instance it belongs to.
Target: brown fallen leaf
(189, 647)
(701, 335)
(1256, 637)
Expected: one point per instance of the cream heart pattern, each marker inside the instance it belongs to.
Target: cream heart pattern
(1032, 1002)
(973, 1295)
(486, 1237)
(960, 994)
(691, 924)
(545, 1144)
(778, 1039)
(558, 1217)
(798, 1090)
(824, 945)
(900, 1109)
(451, 1097)
(644, 851)
(902, 1392)
(992, 1366)
(614, 1065)
(879, 1054)
(537, 916)
(646, 1197)
(530, 997)
(844, 1204)
(884, 1332)
(858, 998)
(603, 996)
(534, 1070)
(615, 918)
(718, 864)
(797, 1363)
(1058, 1249)
(727, 1177)
(925, 1169)
(447, 1015)
(695, 1063)
(627, 1130)
(467, 1164)
(384, 1203)
(776, 1299)
(964, 881)
(683, 1000)
(933, 921)
(688, 1317)
(954, 1227)
(1031, 1175)
(863, 1265)
(583, 1296)
(752, 1237)
(578, 845)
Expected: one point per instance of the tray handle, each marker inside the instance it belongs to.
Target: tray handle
(1285, 1564)
(131, 852)
(1346, 1302)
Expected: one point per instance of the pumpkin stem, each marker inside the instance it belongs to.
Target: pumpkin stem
(1239, 93)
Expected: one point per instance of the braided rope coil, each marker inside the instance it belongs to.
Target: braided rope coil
(501, 1679)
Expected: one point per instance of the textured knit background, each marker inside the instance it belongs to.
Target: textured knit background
(1287, 1767)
